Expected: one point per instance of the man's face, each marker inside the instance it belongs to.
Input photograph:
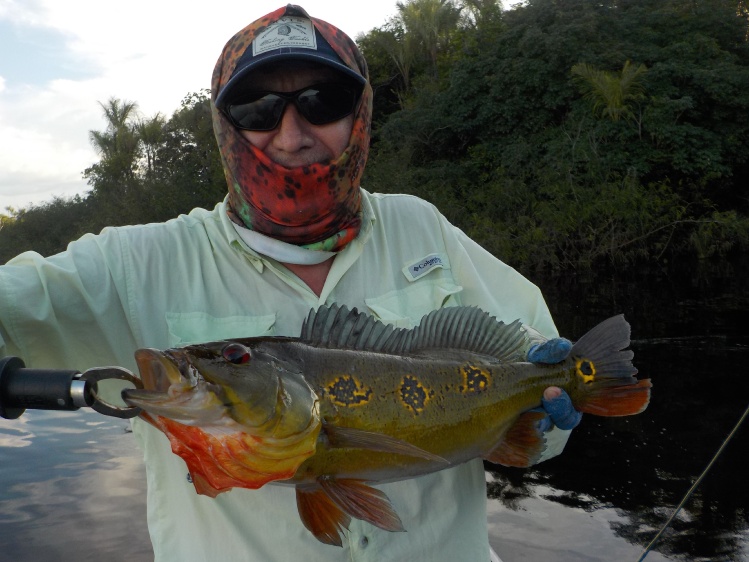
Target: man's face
(296, 142)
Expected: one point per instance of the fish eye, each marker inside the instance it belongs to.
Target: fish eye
(236, 353)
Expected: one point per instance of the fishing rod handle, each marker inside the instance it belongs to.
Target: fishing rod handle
(39, 389)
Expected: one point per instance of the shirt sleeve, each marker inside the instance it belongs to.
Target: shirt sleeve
(68, 310)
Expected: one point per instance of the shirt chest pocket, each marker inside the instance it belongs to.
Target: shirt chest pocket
(405, 307)
(187, 328)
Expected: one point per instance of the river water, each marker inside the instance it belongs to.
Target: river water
(72, 485)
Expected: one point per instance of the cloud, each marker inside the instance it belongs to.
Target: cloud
(60, 59)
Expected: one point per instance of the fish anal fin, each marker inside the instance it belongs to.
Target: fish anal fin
(322, 517)
(616, 400)
(353, 438)
(523, 443)
(362, 501)
(202, 486)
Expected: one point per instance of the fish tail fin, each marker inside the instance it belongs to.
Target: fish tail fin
(606, 373)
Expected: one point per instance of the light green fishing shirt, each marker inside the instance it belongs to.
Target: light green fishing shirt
(192, 279)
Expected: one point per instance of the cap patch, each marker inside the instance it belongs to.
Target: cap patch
(288, 31)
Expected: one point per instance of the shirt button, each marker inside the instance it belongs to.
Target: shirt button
(363, 542)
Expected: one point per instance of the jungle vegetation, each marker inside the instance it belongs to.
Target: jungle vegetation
(559, 134)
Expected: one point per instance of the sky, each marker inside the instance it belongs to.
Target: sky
(60, 58)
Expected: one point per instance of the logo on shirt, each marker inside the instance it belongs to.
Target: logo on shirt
(426, 264)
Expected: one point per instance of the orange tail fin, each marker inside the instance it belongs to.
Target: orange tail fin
(606, 368)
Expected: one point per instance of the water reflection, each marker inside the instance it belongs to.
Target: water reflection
(73, 491)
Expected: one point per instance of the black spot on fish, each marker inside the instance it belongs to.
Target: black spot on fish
(474, 379)
(347, 391)
(414, 395)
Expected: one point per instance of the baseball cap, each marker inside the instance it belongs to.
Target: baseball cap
(291, 37)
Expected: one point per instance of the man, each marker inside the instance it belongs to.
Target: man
(292, 111)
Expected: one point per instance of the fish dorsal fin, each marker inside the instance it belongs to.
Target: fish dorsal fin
(464, 328)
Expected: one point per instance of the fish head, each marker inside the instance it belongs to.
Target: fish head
(247, 381)
(237, 412)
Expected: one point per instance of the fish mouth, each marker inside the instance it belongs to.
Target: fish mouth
(173, 389)
(158, 371)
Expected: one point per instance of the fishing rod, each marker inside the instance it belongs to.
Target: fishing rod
(695, 485)
(58, 389)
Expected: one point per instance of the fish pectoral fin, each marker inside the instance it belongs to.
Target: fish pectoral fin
(362, 501)
(352, 438)
(322, 517)
(523, 443)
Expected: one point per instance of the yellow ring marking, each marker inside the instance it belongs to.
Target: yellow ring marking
(585, 369)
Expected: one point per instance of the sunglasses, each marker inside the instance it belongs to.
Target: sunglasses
(319, 104)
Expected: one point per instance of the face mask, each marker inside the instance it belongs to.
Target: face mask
(316, 206)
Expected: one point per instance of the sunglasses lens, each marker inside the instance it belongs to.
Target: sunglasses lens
(326, 103)
(320, 105)
(260, 114)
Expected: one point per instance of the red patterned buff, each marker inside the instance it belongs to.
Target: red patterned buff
(317, 206)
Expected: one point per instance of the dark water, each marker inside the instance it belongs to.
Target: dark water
(621, 478)
(72, 484)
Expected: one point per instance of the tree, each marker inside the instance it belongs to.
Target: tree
(612, 95)
(508, 148)
(118, 143)
(150, 133)
(432, 22)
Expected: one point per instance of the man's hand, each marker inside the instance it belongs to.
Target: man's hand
(560, 410)
(556, 402)
(549, 352)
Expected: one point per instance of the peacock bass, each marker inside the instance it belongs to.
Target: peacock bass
(354, 402)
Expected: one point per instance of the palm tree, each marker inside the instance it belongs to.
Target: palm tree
(611, 93)
(150, 133)
(118, 143)
(479, 12)
(432, 22)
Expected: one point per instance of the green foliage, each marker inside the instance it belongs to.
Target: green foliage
(583, 132)
(611, 95)
(45, 228)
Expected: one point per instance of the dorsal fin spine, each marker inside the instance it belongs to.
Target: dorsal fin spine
(461, 328)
